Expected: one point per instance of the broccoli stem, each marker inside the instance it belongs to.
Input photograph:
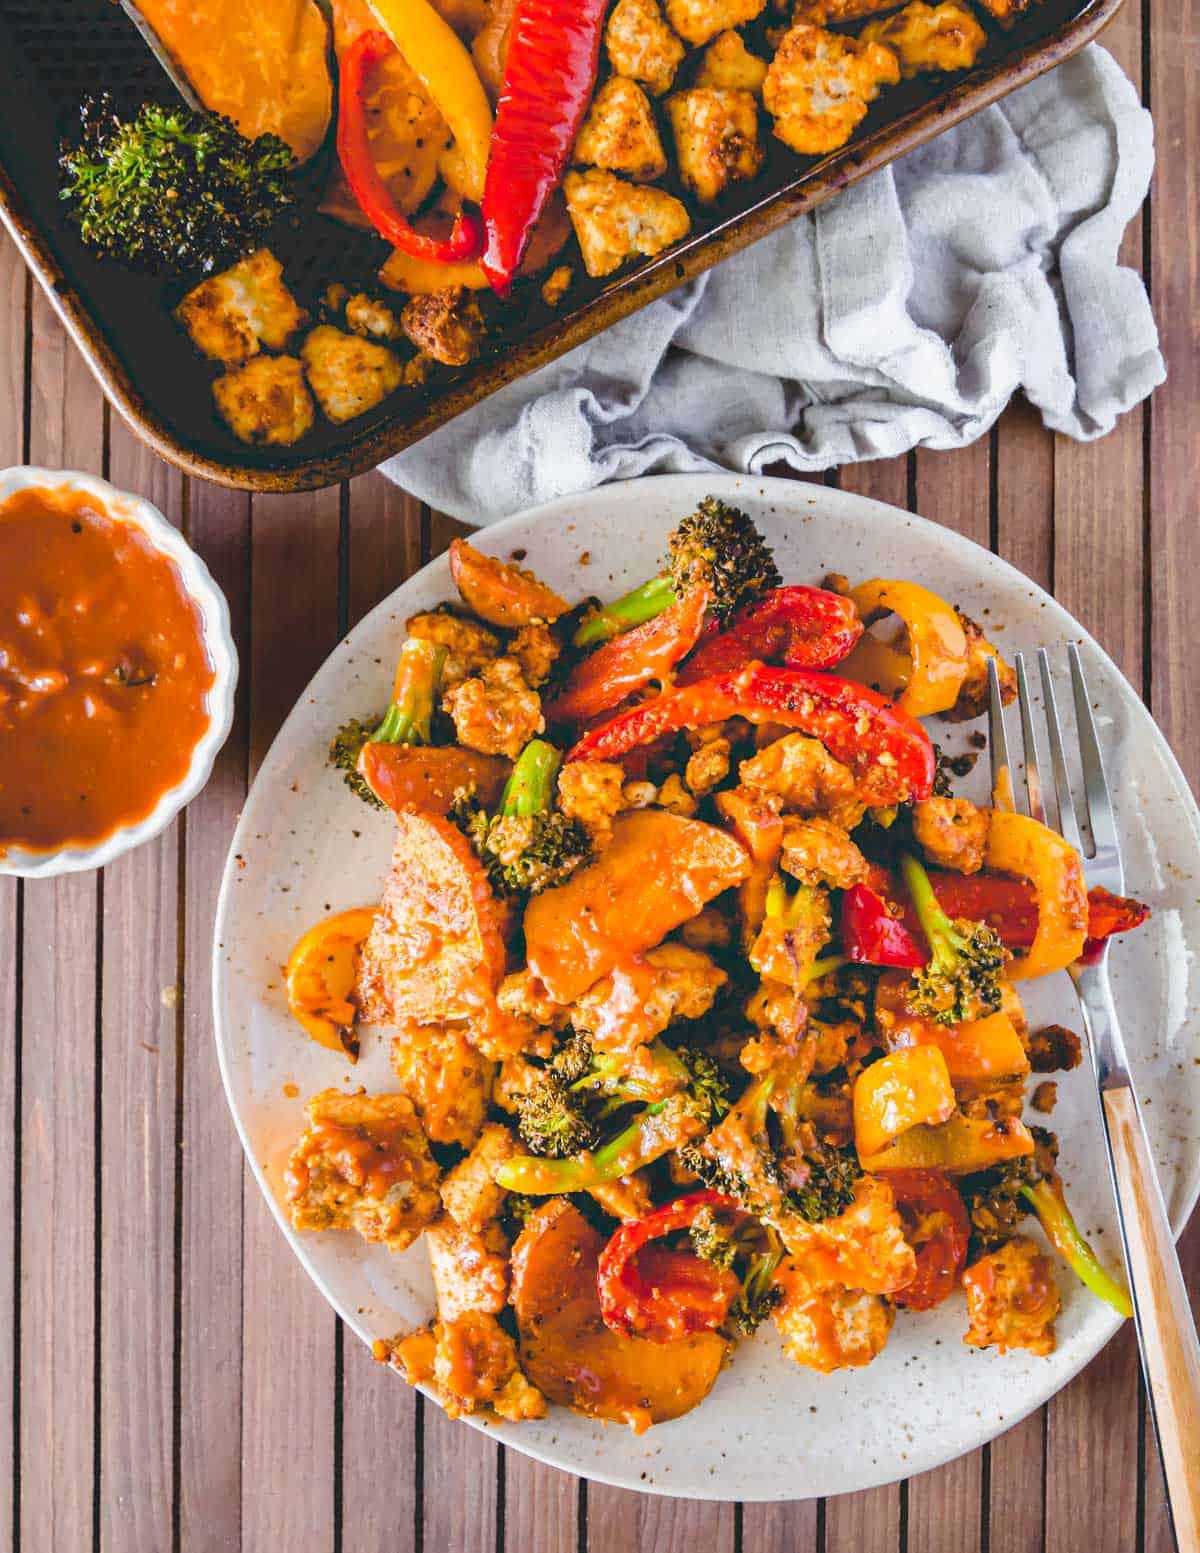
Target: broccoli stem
(938, 928)
(530, 788)
(1047, 1200)
(638, 1144)
(409, 718)
(643, 603)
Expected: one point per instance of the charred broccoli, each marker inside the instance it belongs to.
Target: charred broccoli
(527, 845)
(962, 980)
(716, 547)
(172, 188)
(760, 1252)
(408, 719)
(997, 1200)
(695, 1101)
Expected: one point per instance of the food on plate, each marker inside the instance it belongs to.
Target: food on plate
(704, 986)
(727, 63)
(263, 65)
(820, 84)
(641, 46)
(620, 134)
(231, 316)
(930, 38)
(105, 673)
(171, 189)
(716, 138)
(614, 220)
(320, 975)
(347, 374)
(266, 401)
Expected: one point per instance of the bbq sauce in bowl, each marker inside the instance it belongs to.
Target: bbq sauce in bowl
(104, 672)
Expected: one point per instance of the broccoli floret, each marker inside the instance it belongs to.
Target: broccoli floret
(692, 1108)
(712, 1240)
(962, 980)
(172, 188)
(716, 547)
(829, 1189)
(553, 1120)
(408, 719)
(760, 1293)
(527, 846)
(997, 1199)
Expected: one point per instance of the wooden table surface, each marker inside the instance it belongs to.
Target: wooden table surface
(171, 1380)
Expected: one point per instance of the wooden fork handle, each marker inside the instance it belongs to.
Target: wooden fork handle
(1170, 1351)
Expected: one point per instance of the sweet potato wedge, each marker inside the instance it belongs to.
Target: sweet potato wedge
(568, 1352)
(413, 776)
(499, 591)
(436, 949)
(658, 871)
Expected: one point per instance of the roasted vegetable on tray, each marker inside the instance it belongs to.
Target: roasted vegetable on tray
(712, 1022)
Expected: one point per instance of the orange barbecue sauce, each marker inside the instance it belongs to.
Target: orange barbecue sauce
(104, 674)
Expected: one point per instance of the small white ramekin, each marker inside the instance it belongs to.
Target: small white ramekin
(214, 613)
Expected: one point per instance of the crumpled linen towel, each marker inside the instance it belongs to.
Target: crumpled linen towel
(905, 312)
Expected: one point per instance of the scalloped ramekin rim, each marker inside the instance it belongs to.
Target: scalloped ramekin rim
(218, 639)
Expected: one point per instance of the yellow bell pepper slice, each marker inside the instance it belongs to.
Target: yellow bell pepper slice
(981, 1055)
(443, 65)
(936, 642)
(320, 975)
(1021, 846)
(422, 277)
(901, 1090)
(960, 1147)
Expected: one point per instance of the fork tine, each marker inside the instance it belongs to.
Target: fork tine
(1068, 825)
(1033, 775)
(1099, 803)
(998, 736)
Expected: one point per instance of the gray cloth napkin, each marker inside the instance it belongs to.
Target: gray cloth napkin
(905, 312)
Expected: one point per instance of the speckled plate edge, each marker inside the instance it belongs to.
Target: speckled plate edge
(976, 1425)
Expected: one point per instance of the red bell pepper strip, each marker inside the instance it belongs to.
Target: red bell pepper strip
(671, 1293)
(548, 79)
(624, 664)
(1007, 904)
(938, 1226)
(799, 627)
(358, 164)
(887, 750)
(872, 936)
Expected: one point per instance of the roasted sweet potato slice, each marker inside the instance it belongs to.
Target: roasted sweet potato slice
(436, 949)
(658, 871)
(499, 591)
(412, 776)
(568, 1352)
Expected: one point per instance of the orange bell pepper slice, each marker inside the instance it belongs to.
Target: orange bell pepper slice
(320, 975)
(1022, 846)
(936, 643)
(980, 1055)
(960, 1146)
(902, 1090)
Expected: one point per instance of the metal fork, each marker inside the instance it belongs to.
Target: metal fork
(1166, 1333)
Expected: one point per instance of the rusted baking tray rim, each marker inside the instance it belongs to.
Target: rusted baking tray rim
(655, 278)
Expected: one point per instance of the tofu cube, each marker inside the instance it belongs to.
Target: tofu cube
(727, 62)
(230, 316)
(819, 84)
(697, 21)
(930, 38)
(614, 220)
(619, 133)
(266, 401)
(1007, 12)
(348, 375)
(716, 138)
(641, 45)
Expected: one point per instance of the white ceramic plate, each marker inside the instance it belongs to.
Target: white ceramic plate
(769, 1429)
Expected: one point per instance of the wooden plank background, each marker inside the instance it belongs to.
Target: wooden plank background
(172, 1381)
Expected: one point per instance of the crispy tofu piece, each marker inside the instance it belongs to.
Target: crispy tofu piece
(469, 1193)
(470, 1270)
(1007, 12)
(446, 325)
(495, 711)
(446, 1079)
(619, 133)
(373, 319)
(614, 220)
(973, 692)
(801, 774)
(536, 649)
(592, 792)
(707, 767)
(266, 401)
(825, 13)
(729, 64)
(349, 375)
(640, 1000)
(716, 138)
(556, 285)
(951, 832)
(436, 950)
(470, 1363)
(1012, 1299)
(930, 38)
(819, 85)
(230, 316)
(864, 1247)
(641, 45)
(468, 644)
(696, 21)
(362, 1163)
(817, 851)
(830, 1329)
